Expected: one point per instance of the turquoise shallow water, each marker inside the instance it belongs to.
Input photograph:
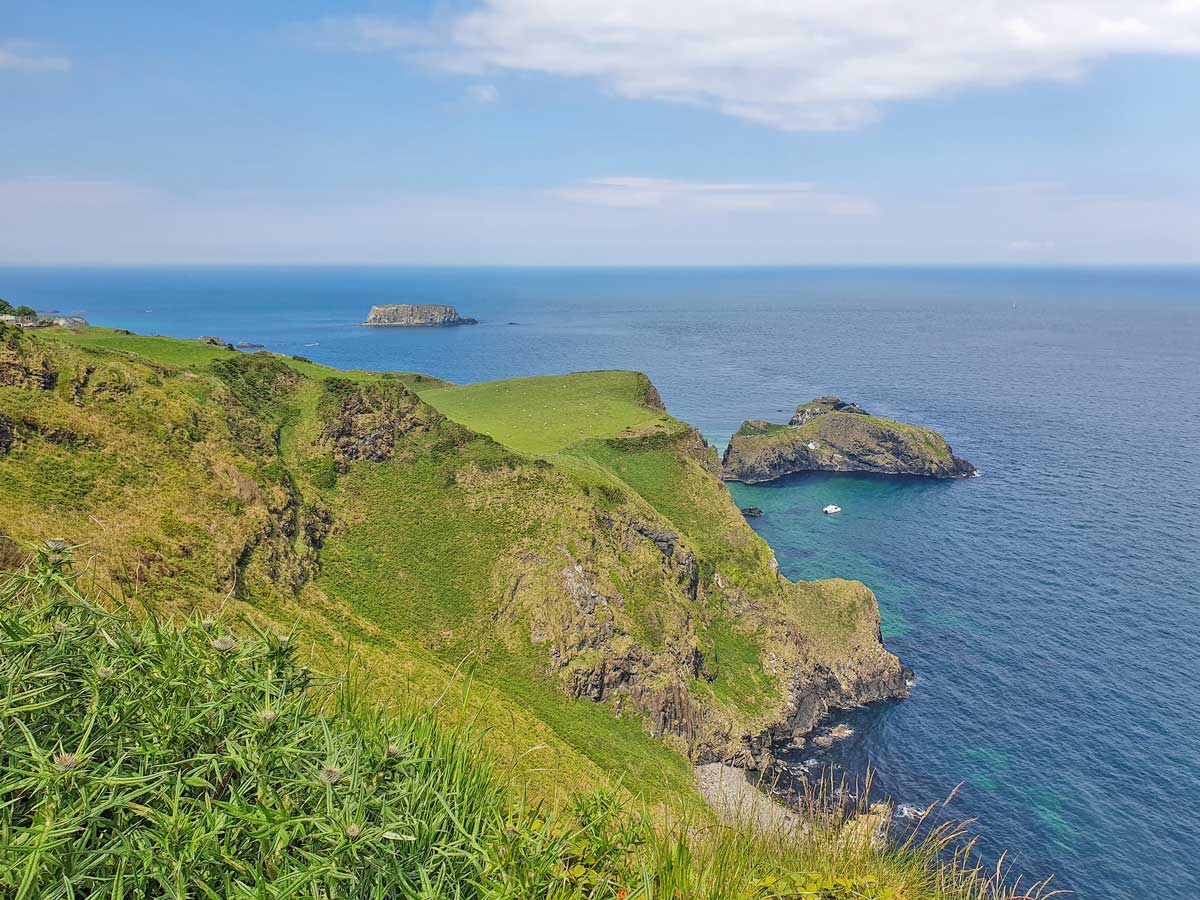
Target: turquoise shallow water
(1049, 608)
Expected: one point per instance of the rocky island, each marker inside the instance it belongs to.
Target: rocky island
(416, 315)
(831, 435)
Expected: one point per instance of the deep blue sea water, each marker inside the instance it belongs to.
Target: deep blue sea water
(1050, 608)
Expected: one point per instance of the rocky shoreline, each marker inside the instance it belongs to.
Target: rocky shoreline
(869, 676)
(830, 435)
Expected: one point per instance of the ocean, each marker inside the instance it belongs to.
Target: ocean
(1050, 608)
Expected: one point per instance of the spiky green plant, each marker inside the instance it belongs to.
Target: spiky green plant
(144, 759)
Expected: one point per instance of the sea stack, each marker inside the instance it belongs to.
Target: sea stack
(830, 435)
(416, 315)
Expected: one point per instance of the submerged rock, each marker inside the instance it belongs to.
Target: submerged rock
(416, 315)
(751, 512)
(831, 435)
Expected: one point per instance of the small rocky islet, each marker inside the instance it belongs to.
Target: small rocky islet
(416, 315)
(830, 435)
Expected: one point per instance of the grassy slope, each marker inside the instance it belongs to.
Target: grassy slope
(281, 785)
(390, 587)
(618, 439)
(189, 472)
(546, 414)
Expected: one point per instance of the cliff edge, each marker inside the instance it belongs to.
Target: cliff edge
(831, 435)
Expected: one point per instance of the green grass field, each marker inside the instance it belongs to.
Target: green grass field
(546, 414)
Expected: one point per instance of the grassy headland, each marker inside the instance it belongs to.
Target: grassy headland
(561, 542)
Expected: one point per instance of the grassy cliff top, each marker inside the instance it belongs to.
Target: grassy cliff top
(194, 354)
(546, 414)
(829, 434)
(840, 426)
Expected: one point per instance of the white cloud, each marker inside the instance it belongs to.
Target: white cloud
(483, 93)
(30, 56)
(811, 65)
(657, 193)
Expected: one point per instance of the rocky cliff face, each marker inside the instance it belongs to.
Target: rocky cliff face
(416, 315)
(830, 435)
(668, 651)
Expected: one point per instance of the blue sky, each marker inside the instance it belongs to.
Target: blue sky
(587, 132)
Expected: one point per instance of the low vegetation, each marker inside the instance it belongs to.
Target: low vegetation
(558, 541)
(7, 309)
(153, 758)
(552, 603)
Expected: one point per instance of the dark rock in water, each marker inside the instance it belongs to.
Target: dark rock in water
(831, 435)
(416, 315)
(246, 345)
(751, 512)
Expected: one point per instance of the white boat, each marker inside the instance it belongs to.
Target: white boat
(831, 509)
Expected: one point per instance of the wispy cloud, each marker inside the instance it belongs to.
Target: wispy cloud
(646, 193)
(615, 220)
(483, 93)
(364, 34)
(31, 56)
(794, 66)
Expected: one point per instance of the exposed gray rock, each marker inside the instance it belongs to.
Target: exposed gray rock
(416, 315)
(806, 412)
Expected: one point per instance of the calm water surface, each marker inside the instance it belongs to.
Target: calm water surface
(1050, 608)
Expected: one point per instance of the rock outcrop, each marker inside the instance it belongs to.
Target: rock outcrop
(416, 315)
(830, 435)
(363, 421)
